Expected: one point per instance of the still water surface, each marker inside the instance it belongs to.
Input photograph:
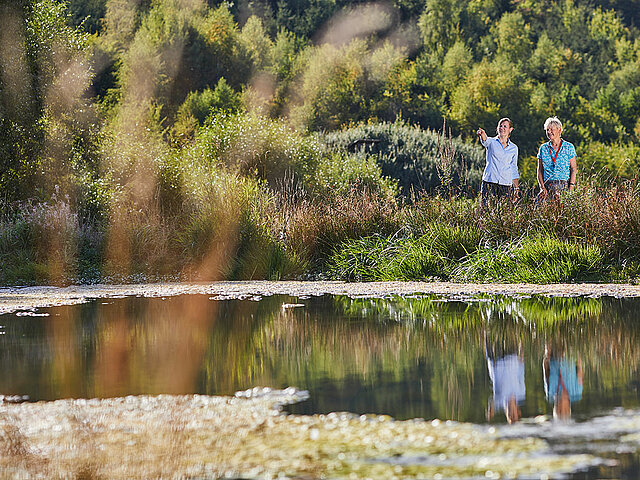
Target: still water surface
(475, 360)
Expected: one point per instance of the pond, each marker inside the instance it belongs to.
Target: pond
(563, 369)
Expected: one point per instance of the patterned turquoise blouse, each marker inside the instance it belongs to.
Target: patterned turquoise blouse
(561, 170)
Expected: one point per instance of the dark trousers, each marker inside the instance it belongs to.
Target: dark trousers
(554, 187)
(493, 191)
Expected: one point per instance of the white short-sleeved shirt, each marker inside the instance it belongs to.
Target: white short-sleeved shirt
(507, 376)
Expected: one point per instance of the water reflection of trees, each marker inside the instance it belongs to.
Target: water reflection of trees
(391, 335)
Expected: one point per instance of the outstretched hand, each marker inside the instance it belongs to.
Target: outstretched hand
(482, 134)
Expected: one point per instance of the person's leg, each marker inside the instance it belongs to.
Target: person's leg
(485, 194)
(555, 188)
(503, 191)
(492, 192)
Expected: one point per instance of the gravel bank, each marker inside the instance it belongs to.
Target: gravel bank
(25, 298)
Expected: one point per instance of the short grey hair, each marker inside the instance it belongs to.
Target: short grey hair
(551, 120)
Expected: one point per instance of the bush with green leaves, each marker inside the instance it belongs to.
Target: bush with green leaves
(339, 173)
(198, 106)
(609, 162)
(344, 84)
(413, 156)
(254, 145)
(42, 75)
(178, 49)
(538, 260)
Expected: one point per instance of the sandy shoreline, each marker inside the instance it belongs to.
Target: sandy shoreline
(25, 298)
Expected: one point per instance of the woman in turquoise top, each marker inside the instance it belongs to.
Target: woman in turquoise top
(557, 163)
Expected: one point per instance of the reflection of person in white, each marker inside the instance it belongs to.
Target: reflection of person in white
(507, 376)
(501, 172)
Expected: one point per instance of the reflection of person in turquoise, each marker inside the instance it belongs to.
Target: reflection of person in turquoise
(562, 382)
(506, 371)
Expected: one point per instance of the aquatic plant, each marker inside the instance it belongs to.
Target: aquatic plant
(247, 437)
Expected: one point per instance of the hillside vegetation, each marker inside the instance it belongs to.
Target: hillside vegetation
(199, 139)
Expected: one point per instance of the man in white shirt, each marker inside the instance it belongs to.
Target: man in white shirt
(501, 173)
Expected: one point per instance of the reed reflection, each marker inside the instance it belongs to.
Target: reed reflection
(66, 367)
(151, 346)
(107, 348)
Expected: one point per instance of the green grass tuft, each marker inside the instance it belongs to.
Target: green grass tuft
(378, 258)
(533, 260)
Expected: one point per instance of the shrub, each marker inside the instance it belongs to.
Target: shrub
(589, 234)
(605, 163)
(341, 172)
(254, 145)
(342, 85)
(200, 105)
(43, 71)
(410, 155)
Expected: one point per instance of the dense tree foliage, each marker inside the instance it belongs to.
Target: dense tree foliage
(44, 118)
(193, 136)
(78, 77)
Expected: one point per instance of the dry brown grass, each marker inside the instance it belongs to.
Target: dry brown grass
(314, 228)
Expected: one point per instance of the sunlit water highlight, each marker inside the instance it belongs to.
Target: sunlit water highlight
(408, 357)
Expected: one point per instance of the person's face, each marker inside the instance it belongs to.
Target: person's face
(553, 131)
(504, 129)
